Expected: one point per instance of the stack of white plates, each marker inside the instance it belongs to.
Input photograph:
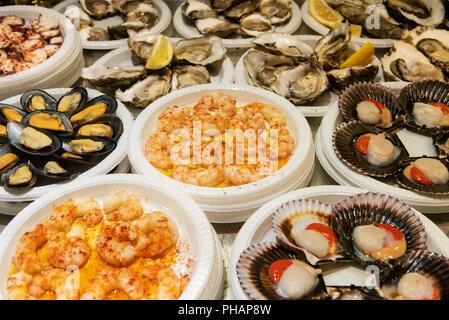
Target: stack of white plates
(206, 269)
(61, 70)
(345, 176)
(231, 204)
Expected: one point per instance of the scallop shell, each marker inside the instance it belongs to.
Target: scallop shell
(252, 271)
(344, 139)
(439, 142)
(429, 91)
(372, 208)
(303, 212)
(430, 264)
(432, 190)
(358, 92)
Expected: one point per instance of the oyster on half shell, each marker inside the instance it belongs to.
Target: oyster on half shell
(98, 9)
(254, 24)
(194, 9)
(118, 76)
(216, 26)
(187, 75)
(333, 49)
(422, 12)
(201, 50)
(285, 44)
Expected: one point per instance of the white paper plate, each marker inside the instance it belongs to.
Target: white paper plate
(189, 30)
(159, 27)
(214, 290)
(321, 105)
(421, 202)
(258, 229)
(106, 165)
(191, 221)
(318, 27)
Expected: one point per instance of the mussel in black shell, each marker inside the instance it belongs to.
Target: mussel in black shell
(8, 158)
(108, 126)
(94, 109)
(11, 113)
(72, 101)
(48, 120)
(88, 146)
(53, 168)
(35, 100)
(20, 177)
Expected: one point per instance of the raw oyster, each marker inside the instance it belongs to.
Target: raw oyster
(119, 76)
(125, 6)
(201, 50)
(405, 63)
(98, 9)
(120, 31)
(77, 16)
(186, 76)
(140, 44)
(422, 12)
(277, 11)
(222, 5)
(333, 49)
(215, 26)
(240, 10)
(88, 33)
(254, 24)
(339, 79)
(194, 9)
(285, 44)
(147, 90)
(144, 13)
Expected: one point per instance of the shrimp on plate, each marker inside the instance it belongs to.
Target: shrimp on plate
(209, 176)
(122, 205)
(169, 286)
(157, 150)
(17, 286)
(64, 284)
(173, 118)
(64, 252)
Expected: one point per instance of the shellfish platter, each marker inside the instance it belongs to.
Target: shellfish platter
(104, 25)
(272, 233)
(228, 19)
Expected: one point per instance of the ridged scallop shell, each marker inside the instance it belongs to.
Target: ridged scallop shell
(430, 264)
(304, 212)
(358, 92)
(372, 208)
(429, 91)
(440, 145)
(432, 190)
(344, 139)
(252, 271)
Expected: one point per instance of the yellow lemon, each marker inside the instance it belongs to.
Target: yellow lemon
(362, 57)
(161, 53)
(356, 30)
(324, 14)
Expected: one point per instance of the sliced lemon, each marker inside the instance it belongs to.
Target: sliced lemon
(356, 30)
(324, 14)
(362, 57)
(161, 53)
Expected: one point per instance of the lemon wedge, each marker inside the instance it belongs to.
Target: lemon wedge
(362, 57)
(356, 30)
(161, 53)
(324, 14)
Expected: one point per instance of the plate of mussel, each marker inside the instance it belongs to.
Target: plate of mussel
(54, 136)
(104, 25)
(122, 72)
(309, 71)
(339, 243)
(236, 21)
(392, 140)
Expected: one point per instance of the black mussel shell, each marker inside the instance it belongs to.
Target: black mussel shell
(10, 113)
(72, 101)
(252, 271)
(108, 145)
(74, 159)
(80, 117)
(110, 120)
(374, 208)
(34, 100)
(8, 176)
(344, 139)
(358, 92)
(37, 164)
(8, 157)
(352, 293)
(32, 118)
(441, 143)
(426, 91)
(15, 129)
(432, 190)
(430, 264)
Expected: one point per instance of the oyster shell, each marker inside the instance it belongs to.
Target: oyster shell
(98, 9)
(238, 11)
(339, 79)
(405, 63)
(254, 24)
(144, 13)
(277, 11)
(285, 44)
(201, 50)
(186, 76)
(88, 33)
(222, 5)
(421, 12)
(117, 76)
(333, 49)
(216, 26)
(125, 6)
(77, 16)
(194, 9)
(147, 90)
(140, 44)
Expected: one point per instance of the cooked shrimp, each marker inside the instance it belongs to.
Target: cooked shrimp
(64, 284)
(64, 252)
(17, 286)
(157, 234)
(169, 286)
(285, 143)
(272, 115)
(109, 280)
(157, 151)
(172, 118)
(210, 176)
(26, 257)
(238, 174)
(122, 205)
(62, 217)
(223, 106)
(114, 244)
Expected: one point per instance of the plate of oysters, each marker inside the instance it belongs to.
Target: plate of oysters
(381, 21)
(309, 71)
(104, 25)
(196, 61)
(339, 243)
(409, 131)
(236, 21)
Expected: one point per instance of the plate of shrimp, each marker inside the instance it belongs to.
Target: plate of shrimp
(116, 239)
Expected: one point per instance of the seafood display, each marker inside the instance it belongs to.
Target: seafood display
(91, 250)
(25, 44)
(367, 141)
(136, 15)
(216, 143)
(194, 62)
(369, 229)
(49, 139)
(291, 68)
(228, 18)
